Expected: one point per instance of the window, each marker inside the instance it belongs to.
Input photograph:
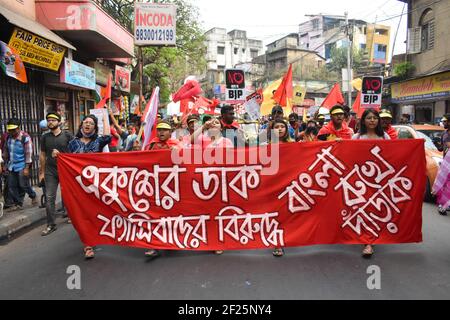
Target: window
(220, 50)
(379, 54)
(315, 24)
(236, 50)
(243, 51)
(316, 37)
(381, 32)
(362, 46)
(426, 24)
(254, 53)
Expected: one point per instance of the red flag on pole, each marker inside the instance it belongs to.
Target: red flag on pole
(357, 106)
(334, 97)
(107, 96)
(285, 90)
(149, 117)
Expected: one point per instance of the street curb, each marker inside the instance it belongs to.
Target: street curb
(22, 220)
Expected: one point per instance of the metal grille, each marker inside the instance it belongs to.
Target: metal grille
(26, 102)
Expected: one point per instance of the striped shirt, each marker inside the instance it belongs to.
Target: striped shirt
(20, 152)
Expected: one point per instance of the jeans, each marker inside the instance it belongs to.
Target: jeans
(18, 185)
(51, 186)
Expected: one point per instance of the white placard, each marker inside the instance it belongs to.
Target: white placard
(103, 120)
(155, 24)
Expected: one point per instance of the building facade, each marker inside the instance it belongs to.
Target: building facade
(228, 50)
(323, 32)
(68, 49)
(425, 93)
(285, 51)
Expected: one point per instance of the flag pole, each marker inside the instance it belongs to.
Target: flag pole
(141, 71)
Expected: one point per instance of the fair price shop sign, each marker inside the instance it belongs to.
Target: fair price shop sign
(155, 24)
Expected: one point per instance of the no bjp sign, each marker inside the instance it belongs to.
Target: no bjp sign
(372, 89)
(235, 82)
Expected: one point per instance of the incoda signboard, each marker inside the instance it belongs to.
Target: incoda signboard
(155, 24)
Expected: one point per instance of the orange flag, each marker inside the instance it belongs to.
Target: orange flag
(285, 90)
(357, 106)
(334, 97)
(11, 64)
(107, 96)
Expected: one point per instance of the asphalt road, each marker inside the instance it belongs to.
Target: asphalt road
(34, 267)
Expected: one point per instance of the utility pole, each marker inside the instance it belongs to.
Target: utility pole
(349, 60)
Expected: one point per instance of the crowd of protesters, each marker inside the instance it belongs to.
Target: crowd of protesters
(209, 131)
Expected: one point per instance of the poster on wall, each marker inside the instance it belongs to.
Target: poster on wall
(123, 79)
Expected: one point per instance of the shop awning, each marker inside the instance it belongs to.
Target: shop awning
(34, 27)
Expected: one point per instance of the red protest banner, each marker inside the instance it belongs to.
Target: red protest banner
(349, 192)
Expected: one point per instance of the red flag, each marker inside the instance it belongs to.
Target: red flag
(334, 97)
(149, 116)
(357, 106)
(190, 89)
(203, 105)
(107, 96)
(284, 91)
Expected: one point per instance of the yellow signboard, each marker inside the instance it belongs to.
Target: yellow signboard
(432, 87)
(299, 95)
(36, 50)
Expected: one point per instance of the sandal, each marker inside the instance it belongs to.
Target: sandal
(89, 253)
(278, 252)
(442, 211)
(367, 252)
(151, 253)
(48, 230)
(218, 252)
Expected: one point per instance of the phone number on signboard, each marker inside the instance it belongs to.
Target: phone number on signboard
(154, 35)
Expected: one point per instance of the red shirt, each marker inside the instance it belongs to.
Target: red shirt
(345, 133)
(157, 144)
(114, 140)
(392, 133)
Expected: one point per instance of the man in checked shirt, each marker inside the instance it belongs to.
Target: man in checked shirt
(18, 153)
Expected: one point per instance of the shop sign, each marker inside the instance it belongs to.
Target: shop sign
(37, 50)
(428, 88)
(77, 74)
(101, 72)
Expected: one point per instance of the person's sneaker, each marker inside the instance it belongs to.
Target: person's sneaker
(48, 230)
(69, 221)
(442, 211)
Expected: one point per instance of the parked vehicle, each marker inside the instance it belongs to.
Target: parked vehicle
(433, 156)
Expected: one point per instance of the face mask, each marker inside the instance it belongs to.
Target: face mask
(312, 130)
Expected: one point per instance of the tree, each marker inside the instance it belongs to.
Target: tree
(404, 69)
(166, 67)
(339, 59)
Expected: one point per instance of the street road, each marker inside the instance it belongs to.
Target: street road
(34, 267)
